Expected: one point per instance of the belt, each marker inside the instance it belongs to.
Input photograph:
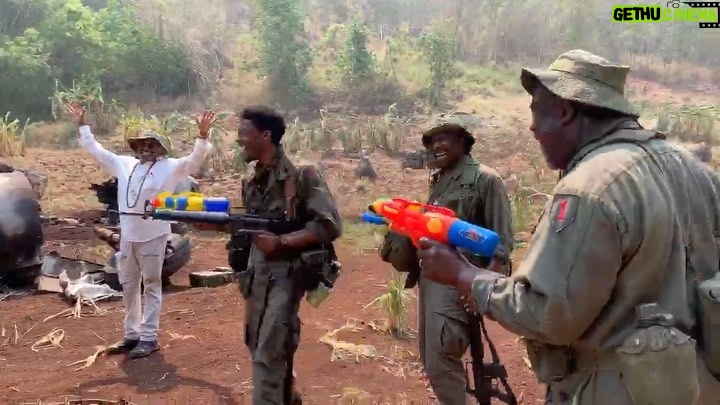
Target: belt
(591, 360)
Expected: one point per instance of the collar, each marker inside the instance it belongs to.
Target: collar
(457, 170)
(612, 131)
(280, 166)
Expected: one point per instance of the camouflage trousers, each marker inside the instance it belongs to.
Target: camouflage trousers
(443, 340)
(272, 334)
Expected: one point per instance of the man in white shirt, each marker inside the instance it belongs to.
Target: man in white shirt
(143, 241)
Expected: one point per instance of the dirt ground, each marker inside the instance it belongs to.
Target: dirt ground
(203, 358)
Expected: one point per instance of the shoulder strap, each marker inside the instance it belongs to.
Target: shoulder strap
(290, 187)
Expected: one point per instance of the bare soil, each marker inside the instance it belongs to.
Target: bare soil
(203, 358)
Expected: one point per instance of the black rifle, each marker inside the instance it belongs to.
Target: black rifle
(241, 227)
(483, 373)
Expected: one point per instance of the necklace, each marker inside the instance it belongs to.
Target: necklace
(142, 182)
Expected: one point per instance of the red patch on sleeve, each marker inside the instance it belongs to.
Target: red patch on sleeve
(561, 210)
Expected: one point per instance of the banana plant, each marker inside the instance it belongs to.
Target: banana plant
(12, 136)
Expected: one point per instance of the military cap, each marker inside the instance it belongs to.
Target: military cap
(581, 76)
(163, 140)
(448, 123)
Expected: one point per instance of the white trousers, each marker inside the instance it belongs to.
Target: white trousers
(142, 262)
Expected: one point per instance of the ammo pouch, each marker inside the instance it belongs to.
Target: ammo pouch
(238, 257)
(709, 323)
(399, 251)
(316, 274)
(549, 363)
(658, 362)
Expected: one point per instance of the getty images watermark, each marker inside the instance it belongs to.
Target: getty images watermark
(703, 12)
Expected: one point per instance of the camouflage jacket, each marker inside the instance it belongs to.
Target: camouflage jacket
(264, 193)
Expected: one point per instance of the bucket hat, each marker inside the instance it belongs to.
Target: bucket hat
(163, 140)
(448, 123)
(581, 76)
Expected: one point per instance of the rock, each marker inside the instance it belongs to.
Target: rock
(37, 181)
(212, 278)
(414, 160)
(365, 169)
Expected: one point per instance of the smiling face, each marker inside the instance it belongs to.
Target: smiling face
(445, 149)
(147, 150)
(252, 141)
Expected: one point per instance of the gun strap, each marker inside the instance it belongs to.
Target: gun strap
(290, 186)
(290, 194)
(508, 396)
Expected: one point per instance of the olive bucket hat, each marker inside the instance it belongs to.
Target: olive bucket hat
(163, 140)
(584, 77)
(451, 122)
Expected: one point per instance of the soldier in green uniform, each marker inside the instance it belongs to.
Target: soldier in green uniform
(476, 194)
(622, 268)
(275, 275)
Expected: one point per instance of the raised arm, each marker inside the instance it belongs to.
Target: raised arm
(109, 160)
(190, 164)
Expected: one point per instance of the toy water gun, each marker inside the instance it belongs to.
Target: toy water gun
(416, 220)
(189, 201)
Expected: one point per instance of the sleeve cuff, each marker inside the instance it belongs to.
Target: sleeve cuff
(482, 290)
(203, 145)
(85, 131)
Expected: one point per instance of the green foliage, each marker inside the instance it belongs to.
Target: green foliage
(439, 52)
(66, 41)
(356, 62)
(26, 81)
(284, 54)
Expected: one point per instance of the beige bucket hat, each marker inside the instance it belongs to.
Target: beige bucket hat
(581, 76)
(163, 140)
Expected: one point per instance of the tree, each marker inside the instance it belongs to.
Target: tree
(438, 46)
(284, 54)
(356, 62)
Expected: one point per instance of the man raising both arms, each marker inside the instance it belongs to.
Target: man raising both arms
(143, 241)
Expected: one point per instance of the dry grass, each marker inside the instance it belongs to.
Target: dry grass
(394, 305)
(12, 136)
(346, 351)
(50, 341)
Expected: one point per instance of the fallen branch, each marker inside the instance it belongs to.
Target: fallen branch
(76, 312)
(176, 336)
(347, 351)
(49, 341)
(90, 360)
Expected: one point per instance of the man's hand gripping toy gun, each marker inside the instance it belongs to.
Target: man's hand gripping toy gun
(416, 220)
